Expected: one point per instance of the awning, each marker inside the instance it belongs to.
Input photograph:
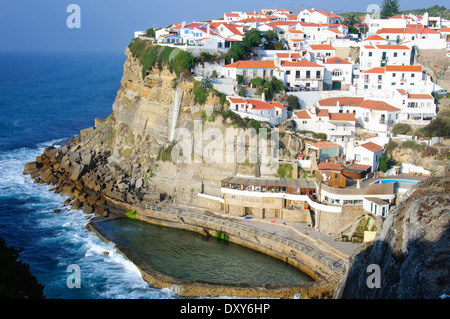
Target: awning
(428, 115)
(414, 115)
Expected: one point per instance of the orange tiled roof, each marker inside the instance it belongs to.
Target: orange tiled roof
(343, 101)
(322, 113)
(236, 100)
(337, 60)
(330, 166)
(402, 92)
(303, 114)
(322, 144)
(404, 68)
(392, 47)
(375, 37)
(377, 105)
(301, 64)
(251, 65)
(322, 47)
(360, 166)
(371, 146)
(342, 117)
(420, 96)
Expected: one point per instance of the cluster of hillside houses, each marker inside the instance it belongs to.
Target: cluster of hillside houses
(382, 86)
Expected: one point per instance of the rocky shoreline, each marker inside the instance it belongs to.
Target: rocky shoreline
(84, 177)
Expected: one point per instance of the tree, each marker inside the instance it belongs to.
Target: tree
(252, 38)
(351, 20)
(384, 163)
(270, 35)
(150, 33)
(389, 8)
(238, 52)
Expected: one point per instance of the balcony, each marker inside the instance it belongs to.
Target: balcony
(340, 132)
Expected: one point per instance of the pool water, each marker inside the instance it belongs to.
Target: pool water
(190, 256)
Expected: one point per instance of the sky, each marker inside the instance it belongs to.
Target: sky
(109, 25)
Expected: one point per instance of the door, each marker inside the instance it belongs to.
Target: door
(264, 213)
(336, 85)
(277, 213)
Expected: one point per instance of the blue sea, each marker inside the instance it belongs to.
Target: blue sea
(45, 99)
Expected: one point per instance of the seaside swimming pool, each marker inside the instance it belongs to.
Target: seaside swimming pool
(386, 181)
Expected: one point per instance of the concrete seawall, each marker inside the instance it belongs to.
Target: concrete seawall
(319, 266)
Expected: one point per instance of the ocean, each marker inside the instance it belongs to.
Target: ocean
(45, 99)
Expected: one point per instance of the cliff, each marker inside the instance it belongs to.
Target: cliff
(128, 156)
(411, 250)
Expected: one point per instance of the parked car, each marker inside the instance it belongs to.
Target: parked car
(441, 92)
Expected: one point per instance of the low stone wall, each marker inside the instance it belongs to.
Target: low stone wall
(335, 223)
(297, 254)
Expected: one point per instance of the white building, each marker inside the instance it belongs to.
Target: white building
(371, 56)
(408, 77)
(365, 153)
(249, 70)
(339, 127)
(414, 106)
(338, 74)
(301, 74)
(374, 116)
(321, 53)
(272, 112)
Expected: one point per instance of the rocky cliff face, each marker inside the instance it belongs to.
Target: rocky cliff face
(411, 249)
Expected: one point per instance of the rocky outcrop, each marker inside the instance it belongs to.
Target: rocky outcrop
(411, 250)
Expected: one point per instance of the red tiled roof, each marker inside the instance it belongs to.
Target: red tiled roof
(343, 101)
(337, 60)
(404, 68)
(237, 100)
(322, 47)
(375, 37)
(303, 114)
(342, 117)
(251, 65)
(330, 166)
(375, 70)
(377, 105)
(360, 166)
(374, 148)
(322, 144)
(392, 47)
(402, 92)
(322, 113)
(301, 64)
(420, 96)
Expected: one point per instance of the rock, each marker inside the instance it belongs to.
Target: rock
(87, 158)
(123, 187)
(118, 196)
(76, 204)
(100, 211)
(48, 177)
(67, 190)
(75, 157)
(87, 209)
(56, 210)
(30, 167)
(139, 183)
(77, 171)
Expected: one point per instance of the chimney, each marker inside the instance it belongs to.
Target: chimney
(208, 28)
(263, 97)
(337, 104)
(183, 24)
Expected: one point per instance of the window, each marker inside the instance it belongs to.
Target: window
(395, 54)
(297, 74)
(337, 73)
(412, 75)
(393, 75)
(304, 122)
(370, 53)
(308, 74)
(288, 72)
(317, 74)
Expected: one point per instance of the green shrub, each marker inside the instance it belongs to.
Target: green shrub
(200, 93)
(429, 152)
(321, 136)
(401, 128)
(285, 170)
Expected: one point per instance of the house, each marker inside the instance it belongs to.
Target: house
(410, 32)
(414, 106)
(295, 39)
(285, 198)
(367, 153)
(301, 74)
(321, 53)
(322, 150)
(381, 55)
(231, 31)
(372, 115)
(272, 112)
(338, 74)
(391, 77)
(339, 127)
(319, 16)
(374, 40)
(376, 206)
(232, 16)
(249, 70)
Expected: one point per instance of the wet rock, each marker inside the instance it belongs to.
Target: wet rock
(87, 209)
(77, 204)
(30, 167)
